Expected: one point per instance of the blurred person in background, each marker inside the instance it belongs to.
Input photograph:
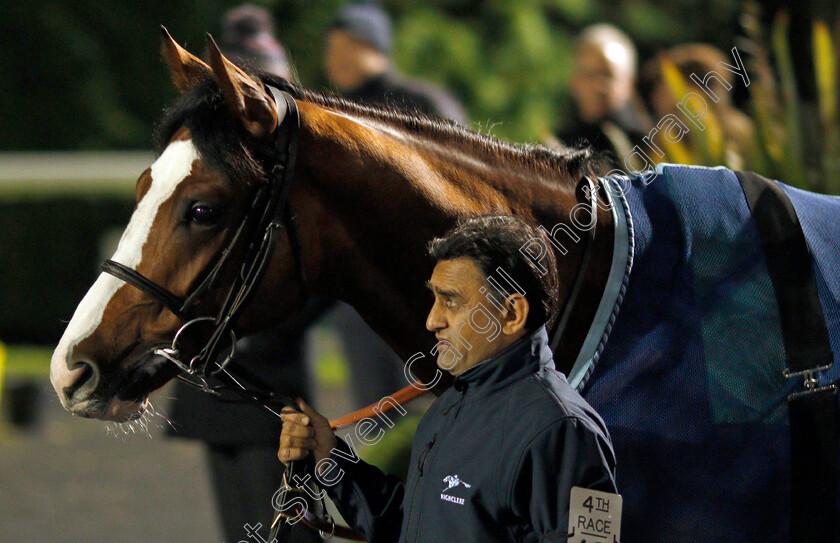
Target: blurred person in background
(358, 63)
(248, 40)
(241, 440)
(736, 128)
(608, 115)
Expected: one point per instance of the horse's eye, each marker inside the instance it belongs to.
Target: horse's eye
(202, 214)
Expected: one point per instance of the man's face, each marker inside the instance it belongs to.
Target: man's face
(350, 62)
(466, 324)
(601, 83)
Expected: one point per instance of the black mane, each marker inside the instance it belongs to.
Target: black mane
(222, 141)
(573, 162)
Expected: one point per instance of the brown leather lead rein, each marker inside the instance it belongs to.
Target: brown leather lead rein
(401, 396)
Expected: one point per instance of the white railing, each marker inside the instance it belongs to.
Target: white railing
(28, 174)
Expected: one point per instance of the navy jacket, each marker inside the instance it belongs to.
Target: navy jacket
(494, 459)
(391, 90)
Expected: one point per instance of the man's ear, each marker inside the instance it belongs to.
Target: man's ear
(516, 314)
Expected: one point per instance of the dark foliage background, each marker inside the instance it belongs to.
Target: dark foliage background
(84, 74)
(87, 74)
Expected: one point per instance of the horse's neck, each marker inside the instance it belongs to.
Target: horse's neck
(377, 195)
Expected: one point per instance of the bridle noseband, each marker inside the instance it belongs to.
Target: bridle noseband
(270, 211)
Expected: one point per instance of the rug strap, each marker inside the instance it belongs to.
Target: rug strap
(813, 410)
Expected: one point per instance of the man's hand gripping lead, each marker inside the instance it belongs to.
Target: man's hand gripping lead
(304, 430)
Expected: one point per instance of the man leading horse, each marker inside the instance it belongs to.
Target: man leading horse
(511, 434)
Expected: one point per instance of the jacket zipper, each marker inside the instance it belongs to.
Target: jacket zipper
(421, 463)
(422, 460)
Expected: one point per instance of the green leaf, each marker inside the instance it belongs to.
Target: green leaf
(825, 55)
(792, 163)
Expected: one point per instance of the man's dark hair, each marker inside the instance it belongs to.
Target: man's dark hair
(493, 242)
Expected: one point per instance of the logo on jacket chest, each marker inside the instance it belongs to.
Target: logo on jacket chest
(453, 481)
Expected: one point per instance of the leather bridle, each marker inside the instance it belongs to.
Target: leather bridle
(270, 211)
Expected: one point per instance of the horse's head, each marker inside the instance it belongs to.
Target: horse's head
(216, 147)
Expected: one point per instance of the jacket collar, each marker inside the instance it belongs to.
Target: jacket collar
(525, 357)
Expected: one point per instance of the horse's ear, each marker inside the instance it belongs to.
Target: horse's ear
(188, 71)
(247, 98)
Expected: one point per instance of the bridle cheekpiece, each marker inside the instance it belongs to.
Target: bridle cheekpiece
(269, 212)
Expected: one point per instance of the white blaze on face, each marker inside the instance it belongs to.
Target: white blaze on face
(168, 171)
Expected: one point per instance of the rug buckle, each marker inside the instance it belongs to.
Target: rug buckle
(810, 382)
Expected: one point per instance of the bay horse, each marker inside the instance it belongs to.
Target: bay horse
(370, 187)
(362, 175)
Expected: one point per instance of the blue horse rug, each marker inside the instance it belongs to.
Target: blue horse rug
(688, 375)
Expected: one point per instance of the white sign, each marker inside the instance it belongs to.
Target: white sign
(594, 516)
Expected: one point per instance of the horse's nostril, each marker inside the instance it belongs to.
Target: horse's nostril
(84, 384)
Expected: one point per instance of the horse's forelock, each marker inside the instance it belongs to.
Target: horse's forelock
(215, 132)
